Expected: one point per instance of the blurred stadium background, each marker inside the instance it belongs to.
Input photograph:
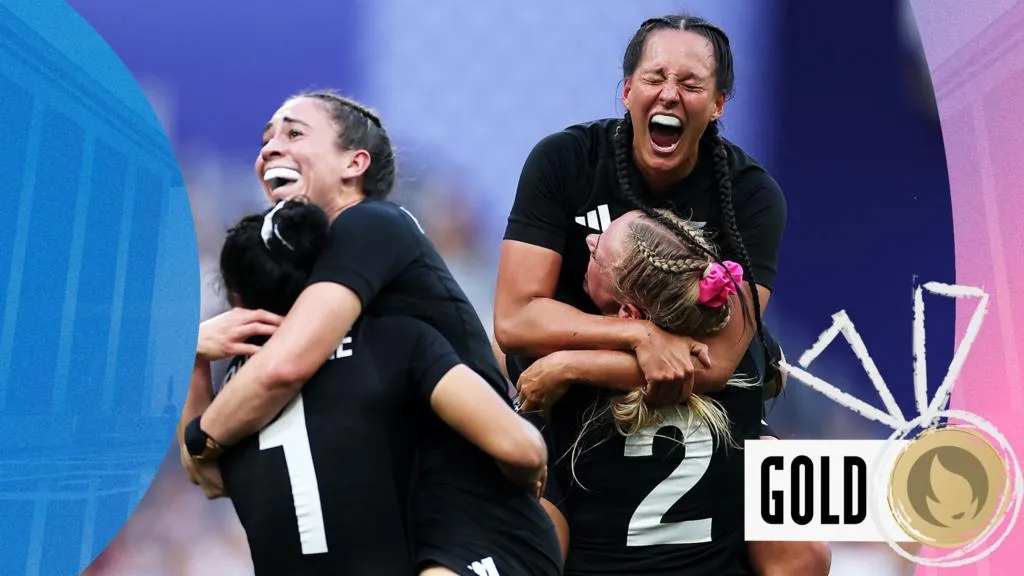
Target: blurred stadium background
(466, 88)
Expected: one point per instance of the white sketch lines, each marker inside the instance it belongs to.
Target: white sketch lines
(893, 416)
(945, 389)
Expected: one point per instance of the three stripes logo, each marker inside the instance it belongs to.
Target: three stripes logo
(598, 219)
(485, 567)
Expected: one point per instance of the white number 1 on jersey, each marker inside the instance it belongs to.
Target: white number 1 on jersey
(289, 432)
(646, 527)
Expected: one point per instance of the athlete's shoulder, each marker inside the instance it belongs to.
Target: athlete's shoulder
(749, 174)
(370, 208)
(374, 212)
(598, 131)
(579, 145)
(395, 328)
(403, 336)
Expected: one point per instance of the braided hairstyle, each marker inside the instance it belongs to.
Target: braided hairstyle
(661, 277)
(710, 143)
(359, 127)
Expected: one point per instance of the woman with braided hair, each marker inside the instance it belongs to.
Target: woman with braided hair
(665, 153)
(604, 454)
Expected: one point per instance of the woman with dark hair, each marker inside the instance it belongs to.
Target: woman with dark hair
(665, 153)
(375, 266)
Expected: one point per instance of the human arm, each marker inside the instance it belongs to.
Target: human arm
(561, 525)
(368, 247)
(528, 320)
(226, 334)
(547, 379)
(206, 475)
(471, 407)
(229, 333)
(781, 558)
(464, 401)
(200, 392)
(309, 334)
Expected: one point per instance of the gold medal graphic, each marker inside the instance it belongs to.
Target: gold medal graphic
(949, 487)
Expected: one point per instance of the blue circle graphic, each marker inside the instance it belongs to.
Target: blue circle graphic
(99, 291)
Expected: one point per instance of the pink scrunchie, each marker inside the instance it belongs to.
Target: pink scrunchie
(716, 287)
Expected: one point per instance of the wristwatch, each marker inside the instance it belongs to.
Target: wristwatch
(199, 445)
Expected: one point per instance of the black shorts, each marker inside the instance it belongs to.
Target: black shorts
(483, 560)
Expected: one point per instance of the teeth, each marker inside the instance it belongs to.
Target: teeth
(666, 120)
(286, 174)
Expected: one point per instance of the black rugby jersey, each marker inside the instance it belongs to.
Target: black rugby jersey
(323, 489)
(466, 512)
(567, 190)
(666, 498)
(378, 250)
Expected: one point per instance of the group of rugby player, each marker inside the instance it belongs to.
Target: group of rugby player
(366, 424)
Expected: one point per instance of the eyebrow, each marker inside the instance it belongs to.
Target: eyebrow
(689, 75)
(285, 120)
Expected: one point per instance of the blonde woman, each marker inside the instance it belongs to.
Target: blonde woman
(666, 482)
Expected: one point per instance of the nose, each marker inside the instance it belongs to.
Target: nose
(669, 94)
(271, 150)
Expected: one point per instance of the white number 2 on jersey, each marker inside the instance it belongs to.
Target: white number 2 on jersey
(646, 527)
(289, 432)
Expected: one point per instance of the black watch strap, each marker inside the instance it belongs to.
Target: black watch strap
(199, 445)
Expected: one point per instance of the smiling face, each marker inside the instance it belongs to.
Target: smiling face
(300, 155)
(672, 96)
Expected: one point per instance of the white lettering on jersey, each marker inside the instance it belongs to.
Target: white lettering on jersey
(289, 433)
(647, 526)
(232, 370)
(342, 351)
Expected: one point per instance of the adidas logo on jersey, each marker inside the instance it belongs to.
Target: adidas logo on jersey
(598, 219)
(484, 567)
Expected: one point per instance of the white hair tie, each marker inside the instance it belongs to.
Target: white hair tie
(270, 228)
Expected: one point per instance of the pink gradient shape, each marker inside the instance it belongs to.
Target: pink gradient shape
(978, 76)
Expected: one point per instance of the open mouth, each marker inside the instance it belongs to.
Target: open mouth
(666, 132)
(279, 177)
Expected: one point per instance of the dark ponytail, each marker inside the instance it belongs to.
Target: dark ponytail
(269, 271)
(723, 178)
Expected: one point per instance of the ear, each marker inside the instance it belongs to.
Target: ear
(719, 106)
(629, 311)
(357, 165)
(627, 87)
